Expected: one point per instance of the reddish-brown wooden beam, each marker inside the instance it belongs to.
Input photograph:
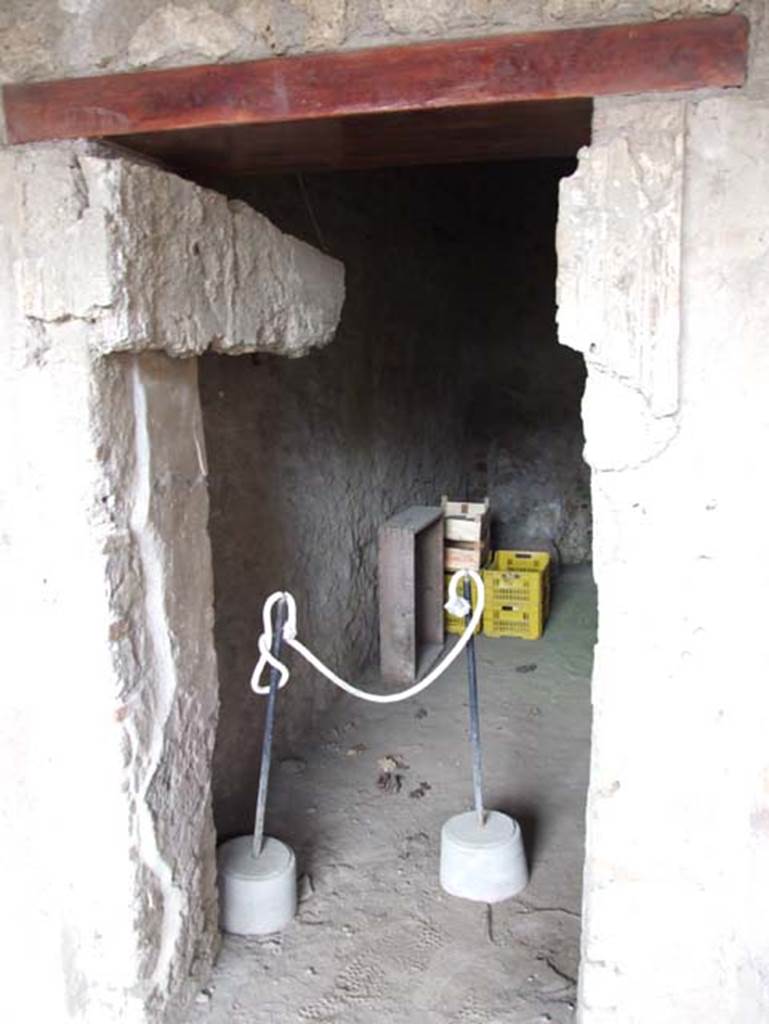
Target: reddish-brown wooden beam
(649, 57)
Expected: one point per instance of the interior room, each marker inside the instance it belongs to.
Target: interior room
(444, 378)
(281, 308)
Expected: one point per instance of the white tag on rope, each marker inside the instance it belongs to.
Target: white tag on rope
(457, 606)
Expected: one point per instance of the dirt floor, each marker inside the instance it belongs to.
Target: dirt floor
(376, 940)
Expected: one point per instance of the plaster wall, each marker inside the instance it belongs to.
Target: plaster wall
(673, 328)
(108, 868)
(444, 366)
(109, 711)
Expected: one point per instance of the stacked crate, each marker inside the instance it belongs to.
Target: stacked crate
(466, 546)
(466, 534)
(517, 585)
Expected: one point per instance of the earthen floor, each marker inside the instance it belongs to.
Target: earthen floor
(376, 941)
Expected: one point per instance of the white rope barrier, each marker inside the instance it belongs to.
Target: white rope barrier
(456, 605)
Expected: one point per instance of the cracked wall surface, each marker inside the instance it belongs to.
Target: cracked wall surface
(675, 879)
(107, 598)
(163, 264)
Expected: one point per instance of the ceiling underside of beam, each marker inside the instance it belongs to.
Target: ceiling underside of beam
(515, 131)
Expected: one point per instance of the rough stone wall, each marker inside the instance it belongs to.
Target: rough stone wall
(309, 457)
(61, 38)
(445, 366)
(109, 712)
(165, 265)
(674, 334)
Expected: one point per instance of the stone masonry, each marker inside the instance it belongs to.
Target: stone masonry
(110, 709)
(104, 490)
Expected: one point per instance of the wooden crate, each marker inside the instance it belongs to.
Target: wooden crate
(466, 534)
(410, 593)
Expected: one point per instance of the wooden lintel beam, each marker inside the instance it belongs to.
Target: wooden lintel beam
(585, 62)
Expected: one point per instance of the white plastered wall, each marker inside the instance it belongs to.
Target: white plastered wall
(109, 676)
(664, 286)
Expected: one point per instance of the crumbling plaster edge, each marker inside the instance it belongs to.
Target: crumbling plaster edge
(222, 278)
(167, 684)
(620, 271)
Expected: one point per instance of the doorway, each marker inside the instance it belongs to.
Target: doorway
(445, 377)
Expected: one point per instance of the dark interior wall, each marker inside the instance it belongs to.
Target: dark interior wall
(307, 457)
(523, 424)
(444, 377)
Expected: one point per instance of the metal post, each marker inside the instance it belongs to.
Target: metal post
(475, 727)
(269, 726)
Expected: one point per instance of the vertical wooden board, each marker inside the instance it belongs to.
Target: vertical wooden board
(409, 592)
(397, 633)
(429, 585)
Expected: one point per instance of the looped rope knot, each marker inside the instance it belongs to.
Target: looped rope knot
(266, 657)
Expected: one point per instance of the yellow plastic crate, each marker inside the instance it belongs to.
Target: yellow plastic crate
(517, 594)
(452, 624)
